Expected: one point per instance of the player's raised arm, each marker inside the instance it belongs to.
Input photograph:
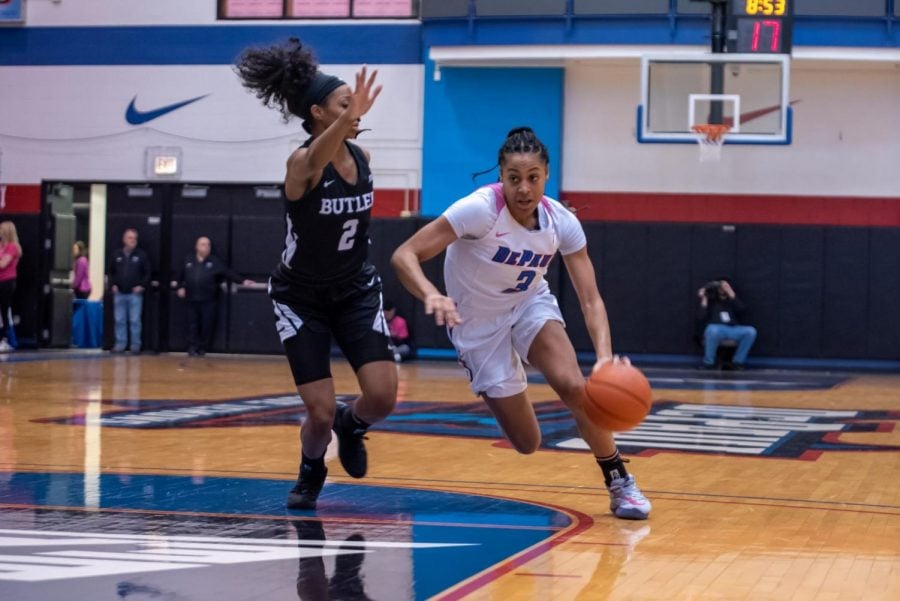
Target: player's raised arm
(286, 77)
(426, 244)
(305, 165)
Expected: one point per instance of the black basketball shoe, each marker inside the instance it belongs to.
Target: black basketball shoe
(351, 448)
(306, 491)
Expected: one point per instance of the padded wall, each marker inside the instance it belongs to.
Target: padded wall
(812, 292)
(800, 297)
(258, 231)
(759, 265)
(845, 292)
(884, 295)
(251, 326)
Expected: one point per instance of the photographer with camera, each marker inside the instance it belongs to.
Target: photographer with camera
(719, 316)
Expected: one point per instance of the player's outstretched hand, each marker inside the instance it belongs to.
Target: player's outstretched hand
(364, 94)
(443, 308)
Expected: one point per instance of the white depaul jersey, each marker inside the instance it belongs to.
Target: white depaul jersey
(497, 263)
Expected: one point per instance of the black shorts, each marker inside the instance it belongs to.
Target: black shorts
(308, 316)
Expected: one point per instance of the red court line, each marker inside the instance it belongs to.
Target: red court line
(537, 575)
(581, 523)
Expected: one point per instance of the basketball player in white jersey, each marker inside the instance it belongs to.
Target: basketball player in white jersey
(500, 240)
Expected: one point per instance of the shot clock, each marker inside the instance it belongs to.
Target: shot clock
(760, 26)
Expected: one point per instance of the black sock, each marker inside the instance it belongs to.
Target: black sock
(613, 467)
(350, 422)
(312, 468)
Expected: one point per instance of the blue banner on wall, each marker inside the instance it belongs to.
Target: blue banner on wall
(12, 11)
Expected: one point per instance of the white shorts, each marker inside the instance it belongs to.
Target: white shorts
(491, 349)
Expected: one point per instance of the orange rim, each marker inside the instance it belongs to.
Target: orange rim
(713, 131)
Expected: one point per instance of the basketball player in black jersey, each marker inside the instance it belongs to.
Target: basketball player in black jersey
(324, 286)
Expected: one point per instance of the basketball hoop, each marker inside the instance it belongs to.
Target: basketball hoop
(711, 138)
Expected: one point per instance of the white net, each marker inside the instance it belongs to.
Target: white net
(710, 139)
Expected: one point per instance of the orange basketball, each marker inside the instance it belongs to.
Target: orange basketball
(619, 397)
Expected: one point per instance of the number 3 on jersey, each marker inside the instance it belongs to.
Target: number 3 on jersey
(347, 241)
(525, 278)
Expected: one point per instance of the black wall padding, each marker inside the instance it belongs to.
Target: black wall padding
(251, 324)
(568, 300)
(386, 235)
(623, 284)
(810, 291)
(257, 232)
(61, 323)
(712, 252)
(208, 215)
(142, 214)
(428, 334)
(884, 294)
(554, 275)
(178, 324)
(846, 293)
(187, 228)
(202, 200)
(756, 277)
(800, 292)
(118, 200)
(257, 243)
(670, 303)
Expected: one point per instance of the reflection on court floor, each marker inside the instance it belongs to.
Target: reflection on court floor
(197, 538)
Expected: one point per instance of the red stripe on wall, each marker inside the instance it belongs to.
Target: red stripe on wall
(734, 208)
(392, 202)
(20, 198)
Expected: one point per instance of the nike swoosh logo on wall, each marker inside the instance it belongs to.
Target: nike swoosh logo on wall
(136, 117)
(753, 115)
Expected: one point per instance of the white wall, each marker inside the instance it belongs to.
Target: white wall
(846, 138)
(69, 123)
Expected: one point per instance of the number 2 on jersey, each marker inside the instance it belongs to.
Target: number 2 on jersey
(346, 242)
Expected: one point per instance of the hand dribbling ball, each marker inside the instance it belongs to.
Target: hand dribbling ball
(619, 397)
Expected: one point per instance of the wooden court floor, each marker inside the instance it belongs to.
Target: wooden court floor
(162, 477)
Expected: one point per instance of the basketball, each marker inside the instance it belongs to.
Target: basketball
(619, 397)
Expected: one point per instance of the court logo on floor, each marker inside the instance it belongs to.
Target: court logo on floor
(143, 536)
(671, 426)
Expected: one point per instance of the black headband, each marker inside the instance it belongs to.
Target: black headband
(318, 90)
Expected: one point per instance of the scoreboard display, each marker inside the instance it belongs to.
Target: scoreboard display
(760, 26)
